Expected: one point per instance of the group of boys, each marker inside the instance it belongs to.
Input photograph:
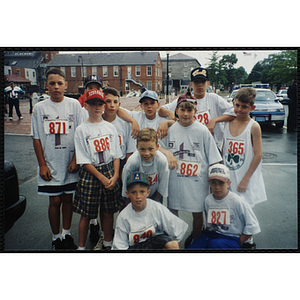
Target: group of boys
(90, 150)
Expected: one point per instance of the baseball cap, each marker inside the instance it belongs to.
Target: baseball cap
(200, 73)
(149, 94)
(219, 171)
(137, 177)
(92, 78)
(188, 97)
(94, 95)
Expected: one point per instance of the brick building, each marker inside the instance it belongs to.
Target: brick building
(124, 71)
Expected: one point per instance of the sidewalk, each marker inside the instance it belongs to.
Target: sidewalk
(23, 127)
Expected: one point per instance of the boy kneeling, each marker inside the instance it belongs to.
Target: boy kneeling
(230, 219)
(146, 224)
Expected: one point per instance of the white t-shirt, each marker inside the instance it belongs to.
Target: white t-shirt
(157, 170)
(209, 107)
(230, 216)
(237, 156)
(135, 227)
(195, 150)
(54, 124)
(97, 143)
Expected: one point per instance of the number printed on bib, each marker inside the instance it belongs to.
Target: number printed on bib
(218, 216)
(56, 126)
(152, 178)
(99, 144)
(235, 146)
(121, 139)
(203, 117)
(141, 236)
(189, 168)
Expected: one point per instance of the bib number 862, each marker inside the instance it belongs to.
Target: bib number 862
(189, 168)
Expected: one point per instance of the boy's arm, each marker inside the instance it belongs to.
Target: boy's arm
(163, 128)
(257, 149)
(134, 124)
(44, 170)
(73, 166)
(163, 112)
(156, 196)
(114, 179)
(213, 122)
(171, 158)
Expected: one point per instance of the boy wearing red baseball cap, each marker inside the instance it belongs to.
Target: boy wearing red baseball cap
(98, 152)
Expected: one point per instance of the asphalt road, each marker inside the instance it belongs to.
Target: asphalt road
(277, 216)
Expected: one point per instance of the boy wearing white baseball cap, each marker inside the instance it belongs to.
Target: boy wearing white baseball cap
(230, 220)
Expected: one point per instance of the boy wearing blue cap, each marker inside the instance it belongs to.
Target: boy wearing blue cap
(146, 224)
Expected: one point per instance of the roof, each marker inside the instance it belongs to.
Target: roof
(179, 56)
(104, 59)
(23, 59)
(16, 78)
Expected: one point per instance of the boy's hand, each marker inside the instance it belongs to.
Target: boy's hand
(73, 167)
(211, 126)
(45, 173)
(173, 163)
(105, 181)
(162, 129)
(242, 187)
(112, 183)
(135, 129)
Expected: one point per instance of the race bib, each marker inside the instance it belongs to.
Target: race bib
(189, 168)
(203, 117)
(218, 216)
(99, 144)
(234, 153)
(141, 236)
(56, 126)
(152, 178)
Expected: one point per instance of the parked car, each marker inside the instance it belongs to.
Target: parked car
(268, 109)
(43, 97)
(283, 97)
(14, 203)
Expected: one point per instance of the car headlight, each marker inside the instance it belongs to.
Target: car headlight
(276, 110)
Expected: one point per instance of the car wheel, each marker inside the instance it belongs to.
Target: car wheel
(279, 125)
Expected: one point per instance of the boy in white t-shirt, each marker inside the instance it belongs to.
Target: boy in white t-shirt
(195, 149)
(149, 160)
(212, 110)
(146, 224)
(53, 125)
(98, 152)
(230, 220)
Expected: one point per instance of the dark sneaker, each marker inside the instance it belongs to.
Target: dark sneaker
(107, 248)
(188, 240)
(94, 233)
(99, 245)
(249, 246)
(69, 242)
(57, 244)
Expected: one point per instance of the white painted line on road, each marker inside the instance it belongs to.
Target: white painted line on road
(278, 164)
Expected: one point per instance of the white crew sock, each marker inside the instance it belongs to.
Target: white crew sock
(81, 248)
(65, 232)
(56, 236)
(106, 244)
(94, 221)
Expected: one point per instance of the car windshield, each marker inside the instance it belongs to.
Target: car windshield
(265, 96)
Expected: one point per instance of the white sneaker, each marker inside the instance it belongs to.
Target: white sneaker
(99, 244)
(21, 118)
(10, 118)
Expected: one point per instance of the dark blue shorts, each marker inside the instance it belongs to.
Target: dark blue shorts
(213, 240)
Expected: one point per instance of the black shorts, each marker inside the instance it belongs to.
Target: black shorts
(154, 243)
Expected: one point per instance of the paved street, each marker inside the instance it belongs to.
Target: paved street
(277, 216)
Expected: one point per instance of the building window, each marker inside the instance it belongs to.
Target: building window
(33, 74)
(73, 71)
(94, 71)
(149, 85)
(84, 72)
(27, 74)
(116, 71)
(185, 64)
(105, 74)
(46, 56)
(18, 72)
(137, 71)
(63, 69)
(185, 74)
(149, 71)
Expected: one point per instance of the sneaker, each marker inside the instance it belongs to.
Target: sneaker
(188, 240)
(10, 118)
(99, 245)
(249, 246)
(94, 232)
(69, 242)
(57, 244)
(108, 248)
(21, 118)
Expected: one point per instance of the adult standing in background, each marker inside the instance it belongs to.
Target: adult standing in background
(292, 118)
(13, 93)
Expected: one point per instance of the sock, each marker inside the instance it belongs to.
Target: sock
(106, 244)
(93, 221)
(81, 248)
(65, 232)
(56, 236)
